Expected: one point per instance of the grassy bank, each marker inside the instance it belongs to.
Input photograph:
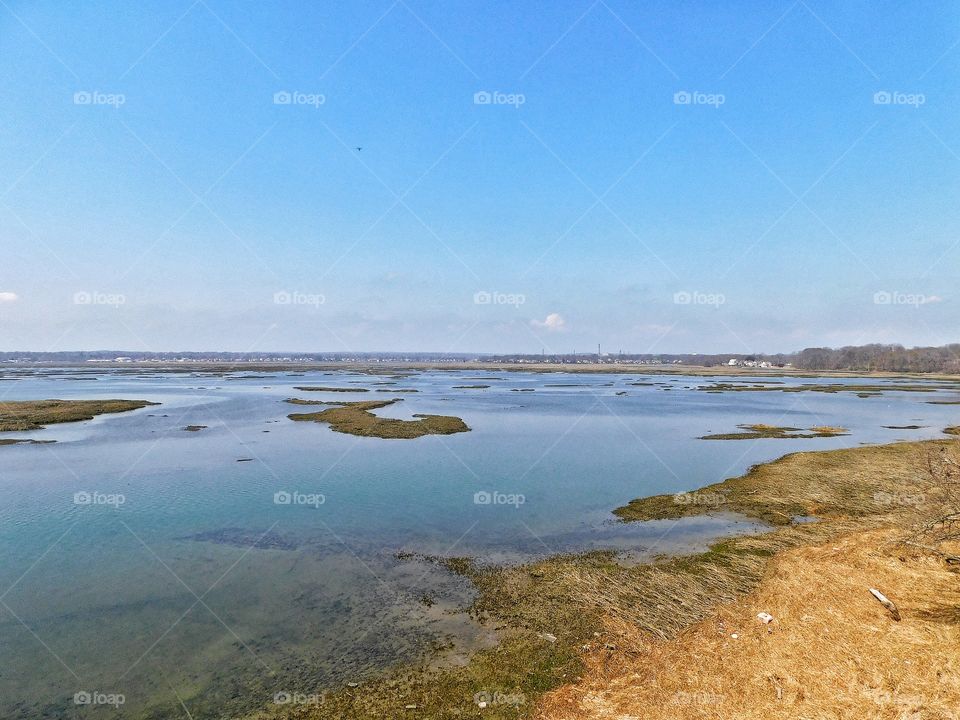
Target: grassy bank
(565, 619)
(851, 483)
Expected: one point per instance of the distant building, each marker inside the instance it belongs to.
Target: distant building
(733, 362)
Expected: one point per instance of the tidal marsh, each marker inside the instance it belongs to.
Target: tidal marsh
(20, 415)
(356, 418)
(759, 430)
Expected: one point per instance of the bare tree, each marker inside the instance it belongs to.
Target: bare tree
(941, 521)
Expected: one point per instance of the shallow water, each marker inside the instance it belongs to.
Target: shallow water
(201, 587)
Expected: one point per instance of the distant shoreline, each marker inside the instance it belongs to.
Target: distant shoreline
(454, 366)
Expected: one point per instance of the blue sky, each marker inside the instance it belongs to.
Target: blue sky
(663, 177)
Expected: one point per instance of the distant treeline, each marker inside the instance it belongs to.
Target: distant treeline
(894, 358)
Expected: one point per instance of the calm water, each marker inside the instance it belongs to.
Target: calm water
(184, 580)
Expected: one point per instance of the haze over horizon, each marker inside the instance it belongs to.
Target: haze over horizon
(416, 176)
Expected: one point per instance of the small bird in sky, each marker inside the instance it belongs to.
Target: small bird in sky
(358, 149)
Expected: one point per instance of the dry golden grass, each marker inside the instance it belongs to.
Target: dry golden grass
(832, 650)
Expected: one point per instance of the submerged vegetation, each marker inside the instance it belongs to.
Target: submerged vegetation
(20, 415)
(759, 430)
(356, 418)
